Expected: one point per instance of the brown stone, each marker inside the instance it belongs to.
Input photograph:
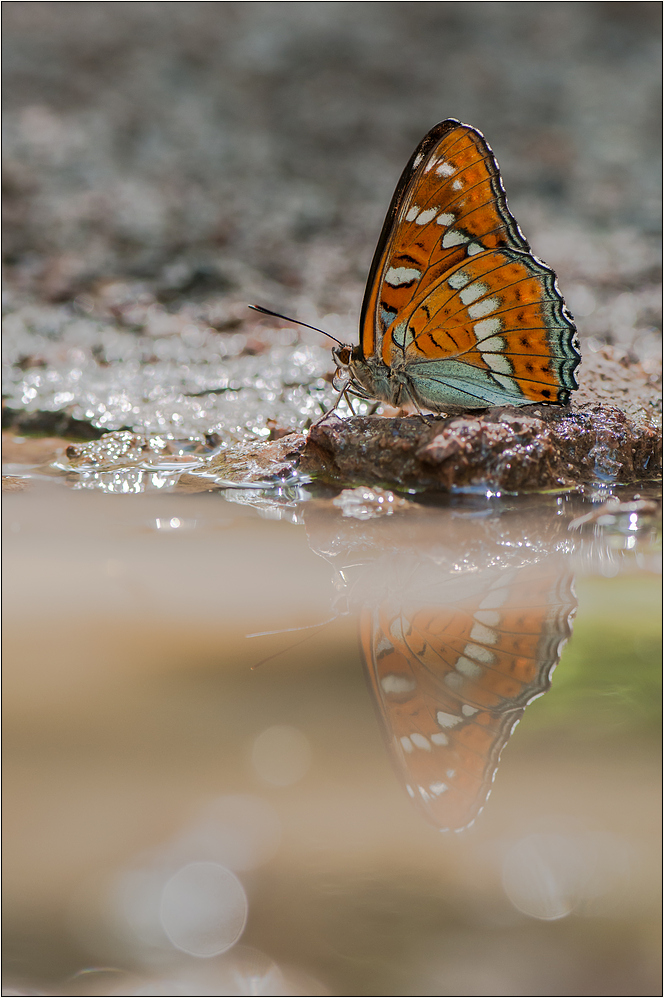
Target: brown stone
(609, 434)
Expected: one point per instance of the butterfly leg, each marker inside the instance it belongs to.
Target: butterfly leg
(419, 411)
(348, 402)
(335, 406)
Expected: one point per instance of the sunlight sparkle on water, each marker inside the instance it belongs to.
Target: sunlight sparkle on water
(165, 524)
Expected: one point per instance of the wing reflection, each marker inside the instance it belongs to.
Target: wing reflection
(460, 630)
(452, 673)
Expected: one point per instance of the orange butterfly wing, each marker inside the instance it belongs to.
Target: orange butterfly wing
(451, 682)
(453, 279)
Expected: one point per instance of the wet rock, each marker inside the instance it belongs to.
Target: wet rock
(118, 448)
(269, 461)
(277, 431)
(610, 434)
(122, 449)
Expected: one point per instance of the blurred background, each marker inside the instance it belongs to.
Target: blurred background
(206, 147)
(166, 163)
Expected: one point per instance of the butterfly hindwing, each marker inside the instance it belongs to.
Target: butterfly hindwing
(500, 316)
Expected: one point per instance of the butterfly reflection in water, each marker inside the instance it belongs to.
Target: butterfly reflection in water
(453, 671)
(457, 313)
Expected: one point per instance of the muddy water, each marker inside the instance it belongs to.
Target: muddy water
(343, 804)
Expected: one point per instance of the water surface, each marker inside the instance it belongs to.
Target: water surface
(199, 825)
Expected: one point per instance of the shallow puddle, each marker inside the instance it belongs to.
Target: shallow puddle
(253, 741)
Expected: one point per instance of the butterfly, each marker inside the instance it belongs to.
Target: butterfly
(452, 673)
(458, 312)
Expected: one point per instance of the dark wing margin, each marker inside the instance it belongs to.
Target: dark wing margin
(429, 142)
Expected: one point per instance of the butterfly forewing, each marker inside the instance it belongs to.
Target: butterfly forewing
(454, 285)
(451, 681)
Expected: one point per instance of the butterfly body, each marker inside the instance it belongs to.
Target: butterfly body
(458, 313)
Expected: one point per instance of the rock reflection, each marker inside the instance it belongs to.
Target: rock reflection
(131, 481)
(459, 633)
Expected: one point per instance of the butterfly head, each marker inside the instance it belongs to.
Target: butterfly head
(342, 356)
(352, 373)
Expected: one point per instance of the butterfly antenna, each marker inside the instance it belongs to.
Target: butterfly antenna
(283, 651)
(278, 315)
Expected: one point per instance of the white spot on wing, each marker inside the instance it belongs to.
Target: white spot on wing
(454, 238)
(482, 308)
(413, 213)
(495, 598)
(479, 654)
(508, 384)
(474, 249)
(473, 292)
(453, 680)
(491, 344)
(447, 218)
(489, 617)
(383, 645)
(396, 629)
(399, 335)
(470, 669)
(401, 275)
(394, 683)
(487, 327)
(426, 216)
(468, 710)
(438, 788)
(458, 280)
(406, 744)
(456, 185)
(444, 169)
(447, 720)
(438, 738)
(498, 363)
(420, 741)
(484, 634)
(417, 160)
